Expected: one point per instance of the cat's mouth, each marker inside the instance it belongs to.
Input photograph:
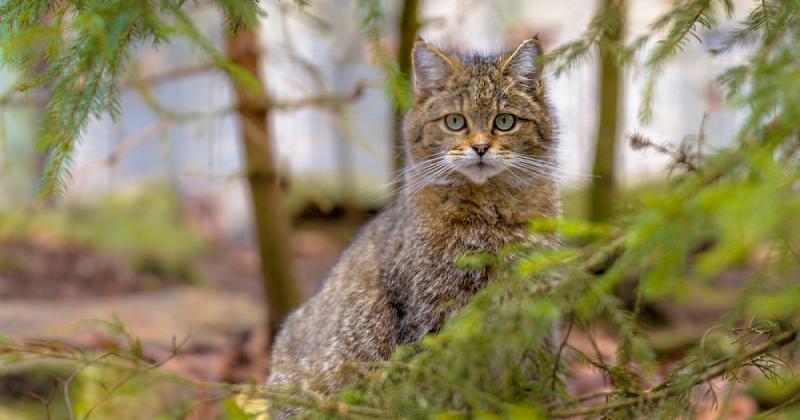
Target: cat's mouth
(479, 172)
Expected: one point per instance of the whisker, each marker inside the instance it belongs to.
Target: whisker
(537, 166)
(410, 173)
(421, 175)
(546, 168)
(534, 160)
(429, 177)
(531, 171)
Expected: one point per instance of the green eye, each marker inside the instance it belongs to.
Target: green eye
(504, 122)
(455, 122)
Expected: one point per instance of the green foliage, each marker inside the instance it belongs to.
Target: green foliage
(568, 56)
(233, 411)
(396, 84)
(79, 49)
(65, 382)
(681, 24)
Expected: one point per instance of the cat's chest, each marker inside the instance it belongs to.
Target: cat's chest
(458, 240)
(424, 276)
(427, 268)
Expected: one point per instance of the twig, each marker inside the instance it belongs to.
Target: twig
(596, 348)
(587, 397)
(768, 414)
(679, 157)
(560, 350)
(125, 146)
(318, 101)
(12, 98)
(66, 383)
(664, 389)
(123, 381)
(57, 350)
(170, 75)
(47, 402)
(131, 142)
(291, 51)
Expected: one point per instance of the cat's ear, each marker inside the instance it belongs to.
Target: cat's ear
(523, 65)
(432, 67)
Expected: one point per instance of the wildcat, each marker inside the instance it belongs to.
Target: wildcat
(480, 165)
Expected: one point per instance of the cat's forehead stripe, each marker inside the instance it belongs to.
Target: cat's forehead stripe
(485, 98)
(480, 90)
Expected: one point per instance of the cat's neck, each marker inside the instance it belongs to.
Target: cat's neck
(498, 202)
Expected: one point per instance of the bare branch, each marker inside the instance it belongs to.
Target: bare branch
(321, 101)
(171, 75)
(561, 350)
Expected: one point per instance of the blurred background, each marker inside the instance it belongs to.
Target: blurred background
(156, 228)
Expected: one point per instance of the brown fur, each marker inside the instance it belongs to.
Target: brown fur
(397, 281)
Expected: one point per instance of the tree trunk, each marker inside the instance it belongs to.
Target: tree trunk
(408, 27)
(269, 214)
(603, 193)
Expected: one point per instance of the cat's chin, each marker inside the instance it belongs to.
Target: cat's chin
(479, 173)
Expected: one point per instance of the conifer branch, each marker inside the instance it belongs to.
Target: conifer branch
(713, 370)
(396, 84)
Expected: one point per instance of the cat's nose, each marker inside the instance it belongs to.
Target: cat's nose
(480, 148)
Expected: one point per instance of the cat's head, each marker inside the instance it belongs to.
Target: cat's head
(478, 117)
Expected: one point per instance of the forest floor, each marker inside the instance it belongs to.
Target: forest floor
(55, 290)
(66, 291)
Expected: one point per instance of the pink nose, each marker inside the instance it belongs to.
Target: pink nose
(480, 148)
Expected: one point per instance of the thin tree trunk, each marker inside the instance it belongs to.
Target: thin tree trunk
(269, 214)
(408, 27)
(603, 193)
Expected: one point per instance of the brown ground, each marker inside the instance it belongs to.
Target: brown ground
(31, 269)
(35, 269)
(56, 292)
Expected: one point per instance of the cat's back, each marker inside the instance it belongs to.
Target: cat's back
(323, 330)
(359, 263)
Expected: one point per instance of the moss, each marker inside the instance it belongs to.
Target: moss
(145, 226)
(159, 267)
(142, 221)
(11, 265)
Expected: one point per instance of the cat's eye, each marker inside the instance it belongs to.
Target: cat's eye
(455, 122)
(504, 122)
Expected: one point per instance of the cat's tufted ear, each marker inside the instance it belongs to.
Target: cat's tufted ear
(432, 67)
(522, 65)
